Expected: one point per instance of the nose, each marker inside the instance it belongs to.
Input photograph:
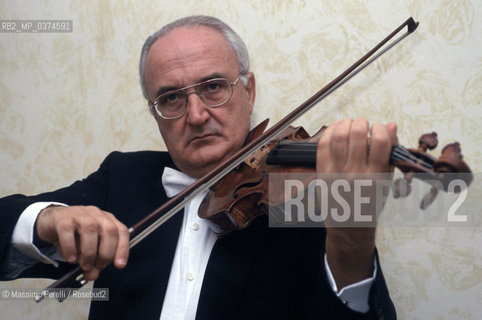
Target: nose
(197, 111)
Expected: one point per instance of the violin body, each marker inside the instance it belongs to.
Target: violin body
(242, 195)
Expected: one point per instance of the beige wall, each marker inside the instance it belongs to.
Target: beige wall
(69, 99)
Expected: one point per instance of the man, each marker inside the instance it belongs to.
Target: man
(195, 75)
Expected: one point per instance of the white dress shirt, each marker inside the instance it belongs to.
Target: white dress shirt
(192, 253)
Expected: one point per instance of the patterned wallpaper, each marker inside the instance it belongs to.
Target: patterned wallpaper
(68, 99)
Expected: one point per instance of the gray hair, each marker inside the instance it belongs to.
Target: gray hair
(232, 38)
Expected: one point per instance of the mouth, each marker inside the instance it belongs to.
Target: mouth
(202, 138)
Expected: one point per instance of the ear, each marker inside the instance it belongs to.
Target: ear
(251, 90)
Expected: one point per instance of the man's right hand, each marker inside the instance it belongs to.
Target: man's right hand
(86, 235)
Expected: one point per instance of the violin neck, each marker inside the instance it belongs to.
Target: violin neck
(292, 153)
(303, 154)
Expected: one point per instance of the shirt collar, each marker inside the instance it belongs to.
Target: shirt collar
(175, 181)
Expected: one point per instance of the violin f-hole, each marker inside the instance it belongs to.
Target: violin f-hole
(248, 184)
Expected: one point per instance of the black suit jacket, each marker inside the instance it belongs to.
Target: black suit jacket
(255, 273)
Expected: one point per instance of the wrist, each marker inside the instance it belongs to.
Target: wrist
(350, 257)
(38, 240)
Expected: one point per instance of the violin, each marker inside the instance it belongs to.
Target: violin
(232, 208)
(244, 194)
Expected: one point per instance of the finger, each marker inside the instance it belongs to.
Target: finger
(67, 240)
(340, 143)
(108, 239)
(392, 131)
(323, 152)
(88, 236)
(122, 252)
(380, 147)
(92, 275)
(357, 149)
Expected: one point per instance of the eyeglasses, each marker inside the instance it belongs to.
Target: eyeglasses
(213, 92)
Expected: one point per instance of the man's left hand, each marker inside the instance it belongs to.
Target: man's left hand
(344, 148)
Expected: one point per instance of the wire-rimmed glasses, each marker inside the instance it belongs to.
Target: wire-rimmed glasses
(213, 92)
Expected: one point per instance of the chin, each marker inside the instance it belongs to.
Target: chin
(203, 158)
(205, 163)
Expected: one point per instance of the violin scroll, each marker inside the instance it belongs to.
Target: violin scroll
(428, 141)
(417, 163)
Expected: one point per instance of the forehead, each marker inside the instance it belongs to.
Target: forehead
(186, 55)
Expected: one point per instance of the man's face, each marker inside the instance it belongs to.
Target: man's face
(203, 137)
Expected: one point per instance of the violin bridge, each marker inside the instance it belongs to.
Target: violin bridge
(256, 158)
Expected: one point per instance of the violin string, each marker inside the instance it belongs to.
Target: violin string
(396, 156)
(408, 154)
(405, 155)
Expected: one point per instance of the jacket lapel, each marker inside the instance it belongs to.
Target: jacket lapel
(227, 272)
